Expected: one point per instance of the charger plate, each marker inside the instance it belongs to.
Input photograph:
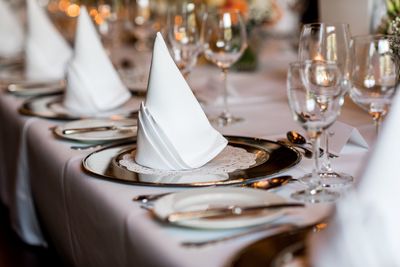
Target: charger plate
(280, 250)
(50, 107)
(271, 158)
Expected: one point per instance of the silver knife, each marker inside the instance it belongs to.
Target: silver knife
(226, 211)
(99, 129)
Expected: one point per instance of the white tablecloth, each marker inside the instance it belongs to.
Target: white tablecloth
(93, 222)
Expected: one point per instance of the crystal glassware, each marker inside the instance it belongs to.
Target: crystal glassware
(329, 42)
(314, 95)
(224, 40)
(374, 75)
(184, 29)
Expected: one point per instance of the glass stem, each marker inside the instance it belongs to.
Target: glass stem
(315, 181)
(326, 164)
(377, 117)
(225, 94)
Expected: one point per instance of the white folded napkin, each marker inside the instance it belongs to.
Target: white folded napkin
(174, 133)
(46, 53)
(93, 84)
(365, 231)
(11, 32)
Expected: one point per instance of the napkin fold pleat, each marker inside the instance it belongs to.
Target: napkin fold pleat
(174, 121)
(11, 32)
(47, 53)
(93, 84)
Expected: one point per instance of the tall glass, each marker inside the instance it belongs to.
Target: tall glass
(184, 29)
(330, 42)
(314, 95)
(374, 75)
(224, 40)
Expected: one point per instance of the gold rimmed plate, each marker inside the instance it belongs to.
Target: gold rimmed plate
(271, 158)
(50, 107)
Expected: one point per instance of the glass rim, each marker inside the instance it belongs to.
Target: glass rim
(309, 62)
(373, 37)
(327, 24)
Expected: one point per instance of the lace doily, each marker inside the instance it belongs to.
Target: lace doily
(229, 160)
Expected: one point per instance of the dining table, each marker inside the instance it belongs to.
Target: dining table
(92, 221)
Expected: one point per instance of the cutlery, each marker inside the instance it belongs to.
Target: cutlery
(20, 86)
(99, 129)
(264, 184)
(103, 145)
(233, 210)
(306, 152)
(286, 226)
(297, 139)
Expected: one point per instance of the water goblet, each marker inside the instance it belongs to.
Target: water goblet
(330, 42)
(184, 28)
(224, 40)
(373, 75)
(314, 95)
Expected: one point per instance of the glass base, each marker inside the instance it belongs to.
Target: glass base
(315, 195)
(335, 179)
(225, 119)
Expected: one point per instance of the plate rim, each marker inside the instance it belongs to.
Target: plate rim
(262, 195)
(124, 145)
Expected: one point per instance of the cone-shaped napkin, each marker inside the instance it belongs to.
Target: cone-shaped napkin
(174, 133)
(11, 32)
(365, 231)
(47, 53)
(93, 85)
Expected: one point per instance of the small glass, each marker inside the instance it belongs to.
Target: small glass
(224, 40)
(374, 75)
(314, 95)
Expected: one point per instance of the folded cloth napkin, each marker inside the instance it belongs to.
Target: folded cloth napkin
(93, 84)
(46, 52)
(11, 32)
(365, 231)
(174, 133)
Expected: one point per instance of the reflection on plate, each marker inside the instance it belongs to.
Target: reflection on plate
(34, 88)
(120, 132)
(271, 158)
(283, 250)
(50, 107)
(204, 198)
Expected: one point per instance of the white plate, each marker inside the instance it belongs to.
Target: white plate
(97, 136)
(198, 199)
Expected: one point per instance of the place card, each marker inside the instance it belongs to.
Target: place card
(343, 134)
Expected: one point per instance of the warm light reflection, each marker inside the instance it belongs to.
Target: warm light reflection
(73, 10)
(63, 5)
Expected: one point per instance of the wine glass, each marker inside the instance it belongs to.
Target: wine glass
(314, 95)
(184, 28)
(373, 75)
(142, 22)
(330, 42)
(224, 40)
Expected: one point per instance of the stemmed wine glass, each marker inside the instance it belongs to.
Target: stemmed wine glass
(224, 40)
(142, 22)
(373, 75)
(184, 29)
(329, 42)
(314, 94)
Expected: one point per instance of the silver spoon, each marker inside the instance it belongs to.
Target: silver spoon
(261, 184)
(297, 139)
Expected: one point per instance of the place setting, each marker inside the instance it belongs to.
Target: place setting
(92, 88)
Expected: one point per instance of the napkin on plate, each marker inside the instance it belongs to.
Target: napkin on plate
(365, 231)
(93, 85)
(174, 133)
(11, 32)
(46, 52)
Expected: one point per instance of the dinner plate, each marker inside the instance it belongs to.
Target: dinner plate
(124, 132)
(279, 250)
(205, 198)
(33, 88)
(50, 107)
(270, 158)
